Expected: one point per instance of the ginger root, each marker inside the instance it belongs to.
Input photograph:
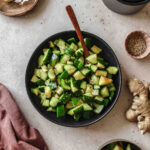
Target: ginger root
(140, 108)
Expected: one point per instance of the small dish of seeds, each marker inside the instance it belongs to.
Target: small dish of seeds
(137, 44)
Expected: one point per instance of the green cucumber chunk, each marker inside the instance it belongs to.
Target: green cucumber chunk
(88, 42)
(128, 147)
(69, 105)
(48, 92)
(43, 75)
(54, 101)
(99, 109)
(104, 92)
(59, 90)
(64, 85)
(64, 59)
(70, 69)
(53, 85)
(35, 91)
(60, 43)
(51, 44)
(69, 51)
(51, 75)
(65, 98)
(112, 70)
(45, 103)
(71, 40)
(111, 96)
(54, 59)
(83, 85)
(59, 68)
(78, 75)
(87, 107)
(85, 71)
(92, 59)
(75, 101)
(104, 81)
(73, 46)
(99, 100)
(40, 60)
(46, 57)
(79, 52)
(64, 75)
(96, 49)
(51, 109)
(60, 111)
(101, 73)
(73, 85)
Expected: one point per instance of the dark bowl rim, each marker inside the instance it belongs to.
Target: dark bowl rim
(84, 124)
(117, 140)
(134, 3)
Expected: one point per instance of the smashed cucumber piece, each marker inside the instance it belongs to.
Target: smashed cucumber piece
(73, 46)
(96, 49)
(54, 59)
(70, 69)
(46, 55)
(104, 81)
(40, 60)
(71, 40)
(54, 101)
(64, 85)
(60, 111)
(92, 59)
(73, 85)
(98, 109)
(104, 92)
(112, 70)
(36, 91)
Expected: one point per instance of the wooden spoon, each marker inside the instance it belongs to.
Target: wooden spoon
(14, 9)
(77, 29)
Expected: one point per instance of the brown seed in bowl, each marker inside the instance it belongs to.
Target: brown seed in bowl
(136, 44)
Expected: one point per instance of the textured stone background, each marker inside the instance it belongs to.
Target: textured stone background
(21, 35)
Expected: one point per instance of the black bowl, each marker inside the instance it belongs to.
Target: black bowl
(125, 143)
(68, 121)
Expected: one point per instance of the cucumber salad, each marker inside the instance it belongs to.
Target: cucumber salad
(120, 146)
(67, 85)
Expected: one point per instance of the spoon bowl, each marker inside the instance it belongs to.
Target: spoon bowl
(14, 9)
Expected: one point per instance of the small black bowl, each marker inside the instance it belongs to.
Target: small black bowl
(124, 142)
(68, 121)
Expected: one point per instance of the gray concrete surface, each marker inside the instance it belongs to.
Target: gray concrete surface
(19, 36)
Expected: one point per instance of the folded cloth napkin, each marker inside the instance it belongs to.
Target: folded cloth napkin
(15, 132)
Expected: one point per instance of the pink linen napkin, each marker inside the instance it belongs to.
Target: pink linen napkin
(15, 132)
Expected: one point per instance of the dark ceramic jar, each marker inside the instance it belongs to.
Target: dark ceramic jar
(125, 6)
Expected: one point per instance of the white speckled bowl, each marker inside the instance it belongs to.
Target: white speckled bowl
(146, 37)
(117, 140)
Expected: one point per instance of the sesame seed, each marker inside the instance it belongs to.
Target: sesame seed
(136, 44)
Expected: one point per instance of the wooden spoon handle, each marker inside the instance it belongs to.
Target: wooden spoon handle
(77, 29)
